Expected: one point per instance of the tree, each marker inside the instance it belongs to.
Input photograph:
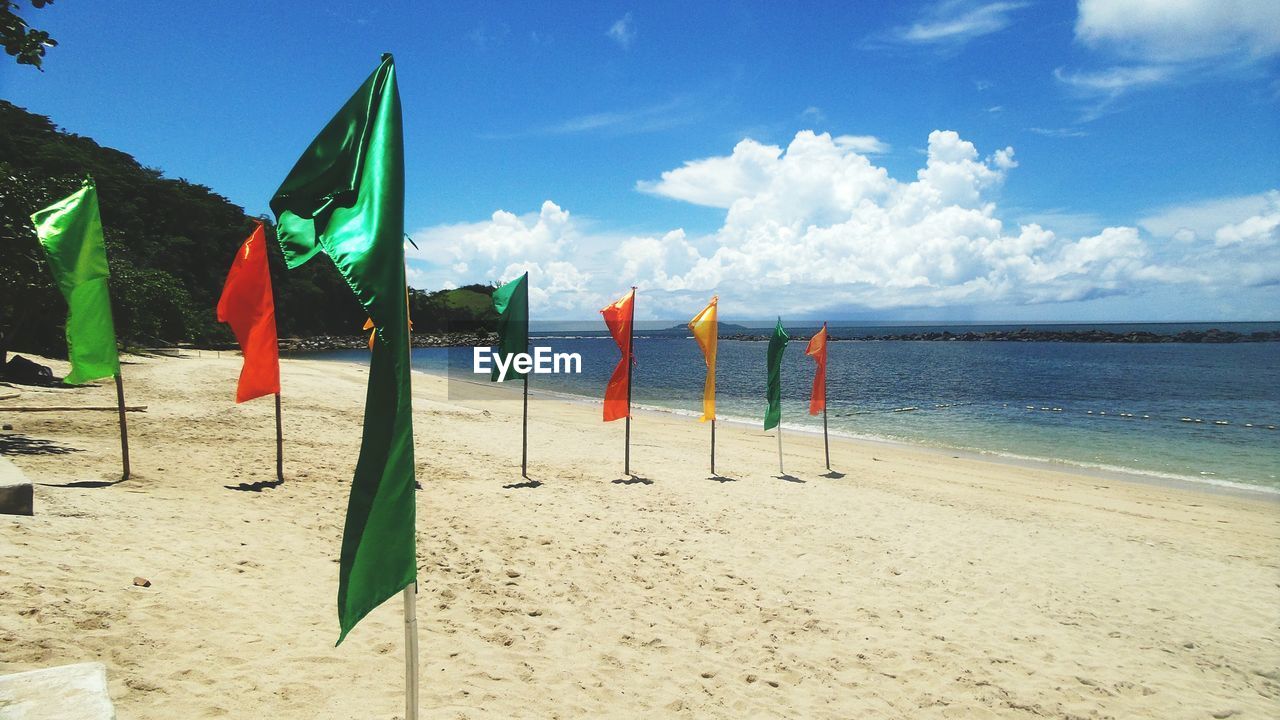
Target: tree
(21, 40)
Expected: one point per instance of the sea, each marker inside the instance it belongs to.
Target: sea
(1201, 413)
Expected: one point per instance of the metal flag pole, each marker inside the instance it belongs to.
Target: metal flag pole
(826, 444)
(124, 427)
(524, 446)
(631, 334)
(713, 446)
(411, 651)
(279, 442)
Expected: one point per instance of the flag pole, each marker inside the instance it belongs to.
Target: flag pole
(826, 444)
(524, 446)
(279, 442)
(124, 427)
(524, 429)
(411, 651)
(713, 446)
(411, 590)
(780, 470)
(631, 334)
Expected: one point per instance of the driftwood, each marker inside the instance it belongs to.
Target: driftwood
(69, 408)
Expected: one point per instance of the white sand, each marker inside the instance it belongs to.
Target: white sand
(918, 586)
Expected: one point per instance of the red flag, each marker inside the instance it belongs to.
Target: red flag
(247, 305)
(617, 397)
(817, 349)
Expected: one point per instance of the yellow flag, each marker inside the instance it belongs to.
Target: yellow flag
(705, 330)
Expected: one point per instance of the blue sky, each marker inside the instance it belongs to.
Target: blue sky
(940, 160)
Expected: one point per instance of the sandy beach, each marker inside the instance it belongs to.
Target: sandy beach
(919, 585)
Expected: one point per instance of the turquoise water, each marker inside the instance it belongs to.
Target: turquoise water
(1113, 406)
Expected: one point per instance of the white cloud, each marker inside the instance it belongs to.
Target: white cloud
(1200, 220)
(653, 118)
(817, 225)
(1146, 43)
(622, 32)
(1114, 80)
(1058, 132)
(865, 144)
(953, 21)
(1257, 231)
(718, 181)
(1168, 31)
(550, 244)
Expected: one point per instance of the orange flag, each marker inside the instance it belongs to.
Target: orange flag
(247, 305)
(817, 349)
(705, 330)
(617, 396)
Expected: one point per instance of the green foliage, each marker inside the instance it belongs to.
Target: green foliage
(20, 40)
(169, 244)
(465, 309)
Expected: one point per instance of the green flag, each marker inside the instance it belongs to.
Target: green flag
(773, 390)
(345, 198)
(512, 303)
(71, 232)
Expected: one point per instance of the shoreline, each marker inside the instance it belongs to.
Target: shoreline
(1097, 472)
(301, 346)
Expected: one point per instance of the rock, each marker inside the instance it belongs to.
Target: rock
(68, 692)
(141, 582)
(16, 494)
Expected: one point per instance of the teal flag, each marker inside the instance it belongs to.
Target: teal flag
(512, 303)
(70, 231)
(773, 390)
(345, 198)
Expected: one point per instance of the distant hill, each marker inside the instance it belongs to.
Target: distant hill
(169, 244)
(722, 330)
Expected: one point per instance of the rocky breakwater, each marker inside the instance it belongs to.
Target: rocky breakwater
(1212, 335)
(325, 343)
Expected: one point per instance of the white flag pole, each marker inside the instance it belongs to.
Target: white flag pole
(780, 470)
(411, 651)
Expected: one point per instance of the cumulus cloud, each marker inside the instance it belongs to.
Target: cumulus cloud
(817, 225)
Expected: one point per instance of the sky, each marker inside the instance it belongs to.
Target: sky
(1020, 160)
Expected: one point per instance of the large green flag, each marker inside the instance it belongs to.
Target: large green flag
(71, 232)
(512, 303)
(345, 198)
(773, 390)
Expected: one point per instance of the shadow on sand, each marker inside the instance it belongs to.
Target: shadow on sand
(722, 478)
(84, 484)
(632, 480)
(255, 487)
(833, 474)
(789, 478)
(528, 484)
(19, 444)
